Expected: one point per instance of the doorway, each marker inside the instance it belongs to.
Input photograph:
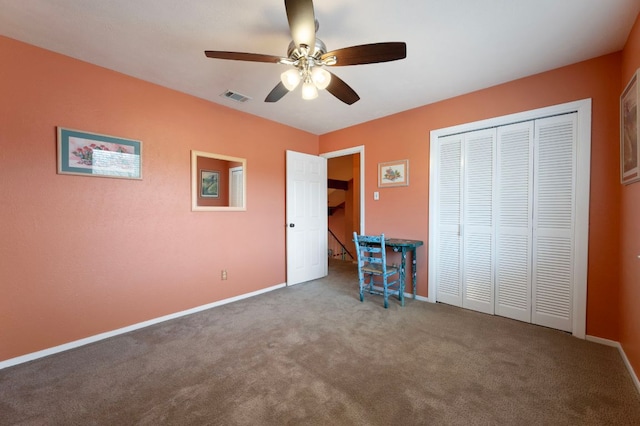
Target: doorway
(345, 200)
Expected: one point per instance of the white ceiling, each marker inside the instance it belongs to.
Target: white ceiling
(453, 46)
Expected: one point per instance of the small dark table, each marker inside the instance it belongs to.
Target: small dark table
(402, 246)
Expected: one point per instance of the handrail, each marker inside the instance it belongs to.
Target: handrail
(344, 249)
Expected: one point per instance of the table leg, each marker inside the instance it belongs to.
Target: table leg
(403, 274)
(414, 272)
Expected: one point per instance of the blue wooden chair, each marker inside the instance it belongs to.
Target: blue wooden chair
(372, 262)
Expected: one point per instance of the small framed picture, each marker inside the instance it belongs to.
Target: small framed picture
(209, 184)
(629, 132)
(393, 173)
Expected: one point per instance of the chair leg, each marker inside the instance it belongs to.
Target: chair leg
(385, 292)
(361, 285)
(370, 284)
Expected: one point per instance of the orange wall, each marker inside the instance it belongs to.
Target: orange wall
(630, 238)
(404, 212)
(85, 255)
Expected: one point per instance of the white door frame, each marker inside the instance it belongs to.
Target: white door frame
(348, 151)
(583, 173)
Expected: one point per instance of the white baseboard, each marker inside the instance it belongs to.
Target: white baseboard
(615, 344)
(418, 297)
(91, 339)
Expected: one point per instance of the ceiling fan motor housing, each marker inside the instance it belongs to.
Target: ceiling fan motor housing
(294, 53)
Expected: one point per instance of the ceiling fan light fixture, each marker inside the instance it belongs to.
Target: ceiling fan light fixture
(321, 77)
(309, 90)
(290, 79)
(308, 55)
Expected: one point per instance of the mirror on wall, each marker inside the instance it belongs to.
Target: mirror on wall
(218, 182)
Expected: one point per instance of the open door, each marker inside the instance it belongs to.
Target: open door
(306, 211)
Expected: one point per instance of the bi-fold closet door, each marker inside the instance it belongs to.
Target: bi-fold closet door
(505, 220)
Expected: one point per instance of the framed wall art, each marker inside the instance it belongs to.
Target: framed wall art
(209, 184)
(393, 173)
(629, 137)
(91, 154)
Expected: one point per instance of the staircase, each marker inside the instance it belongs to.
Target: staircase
(337, 249)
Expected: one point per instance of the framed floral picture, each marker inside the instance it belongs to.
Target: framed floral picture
(393, 173)
(629, 132)
(90, 154)
(209, 184)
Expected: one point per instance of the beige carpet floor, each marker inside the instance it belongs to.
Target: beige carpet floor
(313, 354)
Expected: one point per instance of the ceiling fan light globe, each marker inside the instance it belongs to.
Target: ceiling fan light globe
(309, 91)
(290, 79)
(321, 77)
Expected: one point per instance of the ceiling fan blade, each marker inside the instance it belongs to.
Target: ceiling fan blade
(368, 53)
(342, 90)
(302, 22)
(239, 56)
(277, 93)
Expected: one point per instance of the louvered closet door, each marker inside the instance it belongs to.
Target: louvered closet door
(448, 212)
(553, 221)
(477, 220)
(514, 221)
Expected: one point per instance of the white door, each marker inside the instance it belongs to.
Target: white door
(236, 185)
(448, 217)
(553, 221)
(306, 211)
(478, 220)
(514, 221)
(539, 244)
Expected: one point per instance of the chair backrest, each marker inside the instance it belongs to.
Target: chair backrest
(370, 249)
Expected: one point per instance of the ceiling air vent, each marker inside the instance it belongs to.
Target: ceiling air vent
(235, 96)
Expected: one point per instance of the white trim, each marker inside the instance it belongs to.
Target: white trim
(418, 297)
(615, 344)
(581, 225)
(431, 255)
(517, 117)
(92, 339)
(348, 151)
(583, 166)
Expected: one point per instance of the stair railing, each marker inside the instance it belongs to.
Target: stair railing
(337, 249)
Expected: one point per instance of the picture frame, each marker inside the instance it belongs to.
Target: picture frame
(630, 132)
(209, 184)
(393, 173)
(91, 154)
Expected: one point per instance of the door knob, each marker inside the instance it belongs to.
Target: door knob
(292, 225)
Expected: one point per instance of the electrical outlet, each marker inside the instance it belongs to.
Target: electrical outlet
(223, 274)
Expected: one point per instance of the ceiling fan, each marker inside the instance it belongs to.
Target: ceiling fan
(308, 55)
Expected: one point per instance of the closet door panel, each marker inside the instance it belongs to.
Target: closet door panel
(514, 220)
(553, 221)
(477, 221)
(448, 253)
